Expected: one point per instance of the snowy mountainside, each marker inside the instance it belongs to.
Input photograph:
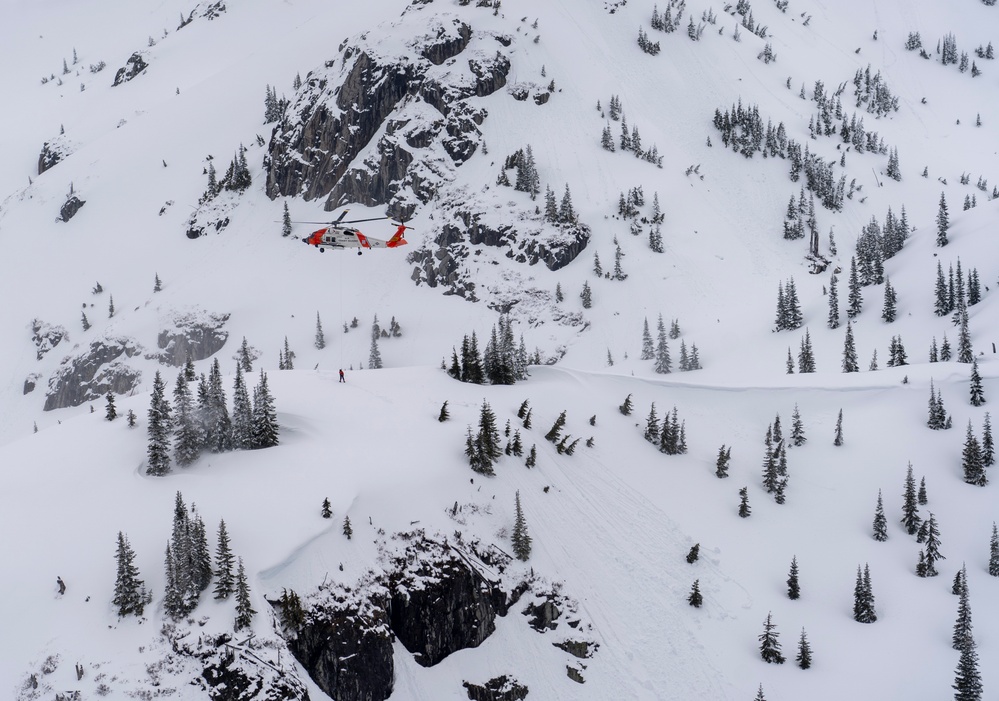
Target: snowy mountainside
(611, 523)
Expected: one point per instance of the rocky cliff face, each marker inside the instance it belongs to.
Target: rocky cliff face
(89, 376)
(379, 128)
(432, 597)
(346, 641)
(196, 334)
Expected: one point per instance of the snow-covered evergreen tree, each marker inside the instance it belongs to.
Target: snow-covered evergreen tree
(793, 586)
(225, 584)
(130, 595)
(804, 656)
(160, 427)
(943, 221)
(320, 341)
(850, 362)
(264, 427)
(520, 538)
(242, 413)
(187, 435)
(880, 521)
(971, 460)
(910, 505)
(244, 607)
(770, 643)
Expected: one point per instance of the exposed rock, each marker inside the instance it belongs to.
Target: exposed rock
(89, 376)
(441, 603)
(46, 337)
(31, 381)
(582, 649)
(228, 678)
(133, 67)
(346, 643)
(444, 261)
(543, 615)
(417, 113)
(502, 688)
(70, 207)
(197, 335)
(575, 673)
(54, 151)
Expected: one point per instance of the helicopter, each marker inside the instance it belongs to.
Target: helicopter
(338, 235)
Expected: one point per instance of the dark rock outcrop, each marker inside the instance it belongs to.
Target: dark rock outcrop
(346, 645)
(46, 337)
(502, 688)
(314, 149)
(30, 382)
(441, 604)
(89, 376)
(70, 207)
(197, 335)
(442, 261)
(432, 597)
(133, 67)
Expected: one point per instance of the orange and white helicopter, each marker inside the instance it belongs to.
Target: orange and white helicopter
(339, 235)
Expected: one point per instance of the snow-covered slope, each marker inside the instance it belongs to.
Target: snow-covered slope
(613, 522)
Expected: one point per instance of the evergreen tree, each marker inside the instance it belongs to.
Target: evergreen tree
(586, 295)
(722, 463)
(217, 425)
(129, 417)
(327, 509)
(769, 643)
(111, 413)
(744, 508)
(85, 321)
(242, 413)
(695, 599)
(850, 362)
(444, 414)
(244, 609)
(520, 538)
(626, 407)
(965, 354)
(945, 354)
(160, 426)
(225, 585)
(910, 507)
(942, 304)
(663, 364)
(890, 309)
(264, 427)
(173, 601)
(484, 448)
(833, 321)
(855, 300)
(789, 364)
(994, 552)
(187, 437)
(652, 426)
(921, 498)
(962, 636)
(863, 597)
(648, 350)
(245, 360)
(797, 428)
(286, 221)
(320, 341)
(694, 553)
(804, 657)
(348, 530)
(988, 447)
(759, 695)
(157, 283)
(971, 460)
(556, 430)
(942, 222)
(931, 552)
(880, 522)
(110, 306)
(806, 357)
(129, 591)
(793, 588)
(838, 440)
(532, 457)
(968, 680)
(374, 356)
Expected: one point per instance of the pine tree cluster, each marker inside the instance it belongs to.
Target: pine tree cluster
(788, 307)
(863, 597)
(671, 436)
(873, 91)
(204, 423)
(669, 20)
(876, 244)
(483, 448)
(503, 363)
(188, 561)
